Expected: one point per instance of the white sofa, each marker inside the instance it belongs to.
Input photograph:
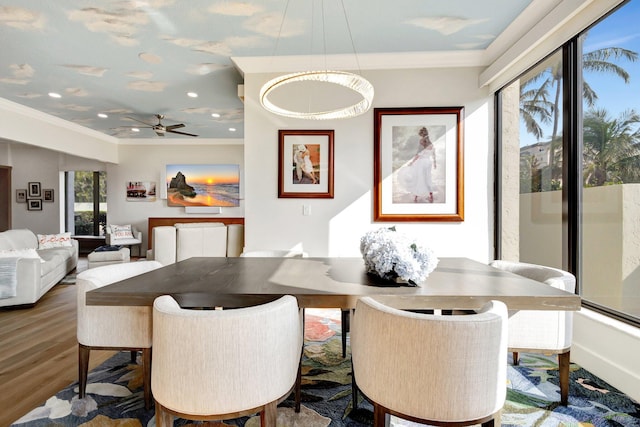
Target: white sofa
(28, 271)
(198, 239)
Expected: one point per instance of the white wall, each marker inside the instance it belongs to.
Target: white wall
(145, 162)
(335, 225)
(34, 164)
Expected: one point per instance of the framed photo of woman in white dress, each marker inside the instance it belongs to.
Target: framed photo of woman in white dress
(305, 164)
(418, 164)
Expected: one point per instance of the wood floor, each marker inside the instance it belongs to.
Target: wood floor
(39, 352)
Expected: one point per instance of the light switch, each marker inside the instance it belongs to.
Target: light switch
(306, 210)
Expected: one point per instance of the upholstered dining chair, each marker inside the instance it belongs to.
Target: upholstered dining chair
(538, 331)
(301, 254)
(431, 369)
(110, 327)
(344, 324)
(232, 362)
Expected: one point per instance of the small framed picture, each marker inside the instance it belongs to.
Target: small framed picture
(34, 204)
(305, 164)
(47, 194)
(34, 190)
(21, 195)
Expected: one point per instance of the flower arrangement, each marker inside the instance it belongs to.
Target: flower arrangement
(392, 255)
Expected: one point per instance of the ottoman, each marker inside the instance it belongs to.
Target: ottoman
(98, 259)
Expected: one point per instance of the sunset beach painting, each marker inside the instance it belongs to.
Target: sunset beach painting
(203, 185)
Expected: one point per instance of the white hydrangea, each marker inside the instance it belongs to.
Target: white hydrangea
(392, 255)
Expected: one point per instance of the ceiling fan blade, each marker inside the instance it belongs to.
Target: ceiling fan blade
(140, 121)
(171, 127)
(181, 133)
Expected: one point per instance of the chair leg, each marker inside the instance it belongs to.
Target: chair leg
(269, 415)
(163, 418)
(298, 384)
(379, 416)
(345, 330)
(516, 360)
(146, 376)
(83, 368)
(354, 389)
(563, 367)
(134, 356)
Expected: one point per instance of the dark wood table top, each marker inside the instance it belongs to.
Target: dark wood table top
(457, 283)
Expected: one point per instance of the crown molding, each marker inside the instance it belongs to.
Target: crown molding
(30, 113)
(378, 61)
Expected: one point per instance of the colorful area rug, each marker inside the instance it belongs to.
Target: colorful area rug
(115, 393)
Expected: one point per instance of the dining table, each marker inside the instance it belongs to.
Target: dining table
(329, 282)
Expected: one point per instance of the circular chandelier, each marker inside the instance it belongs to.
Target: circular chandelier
(351, 81)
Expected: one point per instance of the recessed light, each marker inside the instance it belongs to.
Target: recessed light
(135, 130)
(216, 115)
(102, 115)
(55, 95)
(192, 94)
(232, 129)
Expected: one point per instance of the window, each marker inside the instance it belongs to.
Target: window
(583, 174)
(610, 253)
(86, 202)
(531, 167)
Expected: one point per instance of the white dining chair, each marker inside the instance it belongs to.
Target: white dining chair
(432, 369)
(542, 331)
(231, 363)
(113, 327)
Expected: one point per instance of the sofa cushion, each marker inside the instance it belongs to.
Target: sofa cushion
(46, 241)
(62, 251)
(18, 239)
(20, 253)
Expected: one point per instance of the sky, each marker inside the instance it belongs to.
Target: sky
(205, 174)
(621, 30)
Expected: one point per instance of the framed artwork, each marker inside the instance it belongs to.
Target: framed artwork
(141, 191)
(34, 204)
(305, 164)
(34, 190)
(21, 196)
(203, 185)
(47, 194)
(418, 164)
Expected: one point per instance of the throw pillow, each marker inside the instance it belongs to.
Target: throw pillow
(47, 241)
(121, 232)
(20, 253)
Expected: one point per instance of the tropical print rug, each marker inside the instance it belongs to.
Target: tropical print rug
(114, 394)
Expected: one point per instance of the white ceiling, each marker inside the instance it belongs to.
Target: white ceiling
(136, 58)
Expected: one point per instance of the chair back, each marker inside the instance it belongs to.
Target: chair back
(230, 361)
(431, 367)
(549, 330)
(106, 326)
(200, 240)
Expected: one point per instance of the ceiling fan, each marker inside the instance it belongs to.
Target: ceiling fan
(161, 129)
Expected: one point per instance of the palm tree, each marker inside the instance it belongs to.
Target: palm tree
(598, 61)
(611, 148)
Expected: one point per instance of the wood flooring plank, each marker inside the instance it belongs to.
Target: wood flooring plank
(39, 354)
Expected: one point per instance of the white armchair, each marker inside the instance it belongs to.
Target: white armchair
(123, 235)
(231, 363)
(538, 331)
(431, 369)
(105, 327)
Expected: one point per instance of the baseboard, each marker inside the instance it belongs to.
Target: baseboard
(609, 349)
